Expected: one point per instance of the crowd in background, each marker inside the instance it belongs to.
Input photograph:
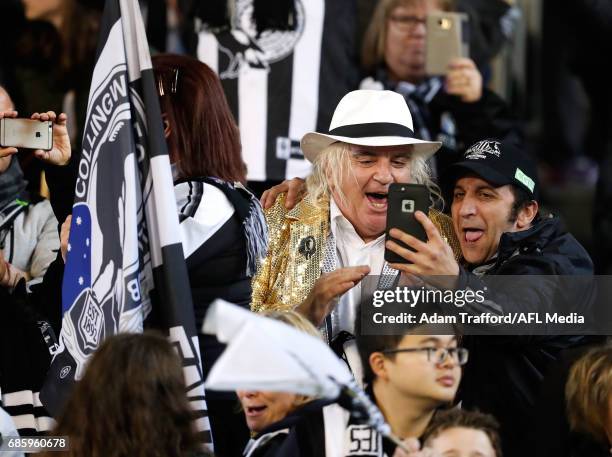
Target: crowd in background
(254, 103)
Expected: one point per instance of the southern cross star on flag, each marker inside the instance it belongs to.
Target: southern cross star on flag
(78, 265)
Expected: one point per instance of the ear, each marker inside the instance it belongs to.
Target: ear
(527, 215)
(377, 364)
(167, 128)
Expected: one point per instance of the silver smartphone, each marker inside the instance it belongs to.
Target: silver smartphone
(447, 38)
(26, 133)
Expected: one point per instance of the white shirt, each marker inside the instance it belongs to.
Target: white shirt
(352, 251)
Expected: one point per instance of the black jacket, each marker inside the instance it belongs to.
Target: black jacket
(307, 432)
(26, 343)
(545, 249)
(504, 373)
(300, 433)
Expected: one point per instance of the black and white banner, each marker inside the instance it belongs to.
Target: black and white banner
(281, 84)
(124, 254)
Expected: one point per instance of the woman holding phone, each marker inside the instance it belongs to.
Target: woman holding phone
(454, 108)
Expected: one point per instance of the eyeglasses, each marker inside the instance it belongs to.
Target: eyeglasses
(407, 23)
(436, 355)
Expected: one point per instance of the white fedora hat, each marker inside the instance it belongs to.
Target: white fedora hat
(369, 118)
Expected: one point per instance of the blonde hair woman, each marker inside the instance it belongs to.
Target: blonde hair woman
(263, 409)
(588, 394)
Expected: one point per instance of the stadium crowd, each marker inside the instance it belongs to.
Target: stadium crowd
(287, 124)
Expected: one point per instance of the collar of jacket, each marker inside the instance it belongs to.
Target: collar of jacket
(532, 240)
(311, 407)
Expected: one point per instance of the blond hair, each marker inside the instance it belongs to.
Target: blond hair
(587, 393)
(299, 322)
(333, 164)
(294, 319)
(373, 48)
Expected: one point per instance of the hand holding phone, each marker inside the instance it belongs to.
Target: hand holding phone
(433, 256)
(57, 153)
(26, 133)
(61, 150)
(464, 80)
(403, 201)
(447, 39)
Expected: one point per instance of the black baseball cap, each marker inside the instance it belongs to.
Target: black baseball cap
(499, 163)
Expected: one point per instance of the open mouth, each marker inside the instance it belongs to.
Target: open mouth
(254, 410)
(471, 235)
(377, 200)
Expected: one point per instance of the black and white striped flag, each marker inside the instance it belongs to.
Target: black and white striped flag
(125, 256)
(281, 84)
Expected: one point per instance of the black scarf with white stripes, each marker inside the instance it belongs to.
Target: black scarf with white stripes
(251, 216)
(247, 209)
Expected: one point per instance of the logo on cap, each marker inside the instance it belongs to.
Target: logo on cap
(523, 178)
(482, 148)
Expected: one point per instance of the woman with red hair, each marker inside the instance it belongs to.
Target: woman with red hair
(222, 225)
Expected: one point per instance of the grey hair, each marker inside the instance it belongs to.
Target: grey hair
(333, 164)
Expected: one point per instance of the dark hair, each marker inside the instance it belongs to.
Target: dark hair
(456, 417)
(368, 344)
(522, 199)
(204, 138)
(131, 402)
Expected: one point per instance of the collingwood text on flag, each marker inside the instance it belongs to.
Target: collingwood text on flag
(125, 255)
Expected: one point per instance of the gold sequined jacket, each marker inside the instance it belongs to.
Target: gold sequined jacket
(296, 250)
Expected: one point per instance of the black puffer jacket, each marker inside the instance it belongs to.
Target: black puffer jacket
(544, 249)
(504, 373)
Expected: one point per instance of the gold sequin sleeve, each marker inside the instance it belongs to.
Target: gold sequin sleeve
(445, 226)
(296, 249)
(288, 272)
(278, 234)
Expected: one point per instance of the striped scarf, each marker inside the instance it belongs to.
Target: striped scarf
(12, 184)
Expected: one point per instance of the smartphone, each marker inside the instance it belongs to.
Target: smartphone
(26, 133)
(403, 201)
(447, 38)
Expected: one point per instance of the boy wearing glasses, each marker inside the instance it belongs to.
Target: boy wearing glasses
(409, 377)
